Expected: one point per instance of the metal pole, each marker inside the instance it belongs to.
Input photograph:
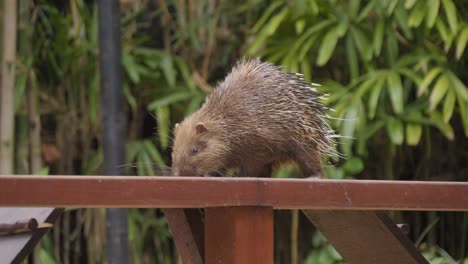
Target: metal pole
(113, 118)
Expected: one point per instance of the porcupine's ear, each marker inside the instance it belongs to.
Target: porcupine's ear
(201, 128)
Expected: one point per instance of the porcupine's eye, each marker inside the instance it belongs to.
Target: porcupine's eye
(195, 150)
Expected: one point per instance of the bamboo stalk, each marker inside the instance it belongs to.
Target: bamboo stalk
(34, 126)
(294, 235)
(7, 110)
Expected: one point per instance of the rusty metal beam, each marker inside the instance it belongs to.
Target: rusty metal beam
(187, 233)
(238, 235)
(199, 192)
(365, 237)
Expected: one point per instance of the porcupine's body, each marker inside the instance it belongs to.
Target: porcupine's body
(258, 117)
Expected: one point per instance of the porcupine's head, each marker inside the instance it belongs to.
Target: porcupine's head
(198, 148)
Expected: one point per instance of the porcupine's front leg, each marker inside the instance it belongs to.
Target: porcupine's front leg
(309, 163)
(255, 170)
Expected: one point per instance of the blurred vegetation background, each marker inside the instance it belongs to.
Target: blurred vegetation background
(396, 72)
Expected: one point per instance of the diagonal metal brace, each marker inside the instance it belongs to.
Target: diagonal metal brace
(365, 237)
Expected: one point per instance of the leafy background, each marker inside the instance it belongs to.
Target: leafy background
(395, 70)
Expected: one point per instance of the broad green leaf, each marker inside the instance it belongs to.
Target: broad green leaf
(170, 99)
(310, 36)
(130, 67)
(428, 79)
(451, 14)
(93, 28)
(93, 94)
(132, 227)
(257, 43)
(290, 62)
(20, 89)
(353, 165)
(362, 43)
(131, 150)
(129, 96)
(373, 128)
(307, 47)
(353, 7)
(391, 6)
(147, 164)
(392, 46)
(275, 21)
(168, 69)
(459, 87)
(332, 173)
(332, 252)
(374, 97)
(43, 172)
(348, 127)
(411, 74)
(327, 47)
(410, 3)
(463, 109)
(154, 153)
(361, 130)
(449, 104)
(184, 70)
(316, 28)
(432, 12)
(448, 43)
(313, 6)
(402, 20)
(140, 167)
(378, 36)
(461, 43)
(266, 15)
(341, 29)
(306, 69)
(444, 34)
(417, 15)
(445, 128)
(277, 53)
(163, 121)
(413, 134)
(194, 104)
(416, 117)
(395, 90)
(440, 89)
(45, 256)
(395, 130)
(364, 14)
(131, 155)
(299, 26)
(351, 55)
(365, 86)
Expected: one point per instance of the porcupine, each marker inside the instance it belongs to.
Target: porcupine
(258, 118)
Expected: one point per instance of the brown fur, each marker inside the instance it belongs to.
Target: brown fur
(257, 118)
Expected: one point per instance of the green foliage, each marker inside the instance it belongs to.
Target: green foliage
(148, 233)
(436, 255)
(324, 252)
(394, 63)
(145, 155)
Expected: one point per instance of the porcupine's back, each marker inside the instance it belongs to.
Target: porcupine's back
(261, 105)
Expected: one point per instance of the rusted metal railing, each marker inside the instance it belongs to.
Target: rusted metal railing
(237, 226)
